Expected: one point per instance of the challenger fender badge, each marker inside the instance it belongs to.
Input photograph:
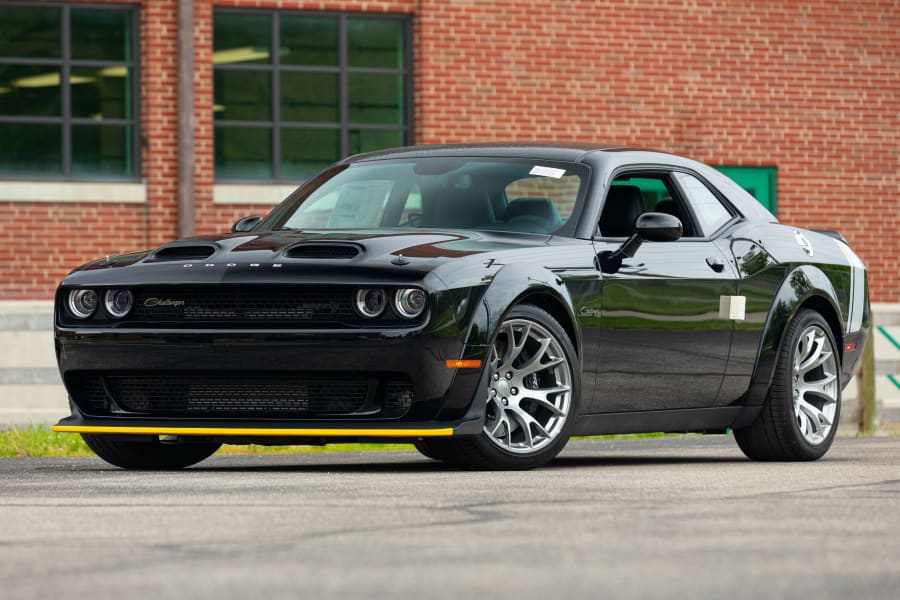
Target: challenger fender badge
(803, 242)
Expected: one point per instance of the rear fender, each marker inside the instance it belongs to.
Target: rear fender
(800, 285)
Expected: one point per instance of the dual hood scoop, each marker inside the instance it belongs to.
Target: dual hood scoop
(193, 252)
(319, 250)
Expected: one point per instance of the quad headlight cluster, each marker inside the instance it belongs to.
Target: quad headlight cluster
(407, 303)
(83, 303)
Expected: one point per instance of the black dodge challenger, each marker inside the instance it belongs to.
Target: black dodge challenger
(484, 302)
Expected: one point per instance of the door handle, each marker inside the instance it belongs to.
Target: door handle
(715, 264)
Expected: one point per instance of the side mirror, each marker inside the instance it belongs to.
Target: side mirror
(246, 224)
(652, 227)
(658, 227)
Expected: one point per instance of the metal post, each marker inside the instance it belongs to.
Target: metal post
(867, 387)
(186, 211)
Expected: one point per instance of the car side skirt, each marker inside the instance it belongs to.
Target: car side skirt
(690, 420)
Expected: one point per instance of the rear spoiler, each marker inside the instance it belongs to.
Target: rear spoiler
(832, 234)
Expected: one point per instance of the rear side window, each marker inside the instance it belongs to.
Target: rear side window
(711, 214)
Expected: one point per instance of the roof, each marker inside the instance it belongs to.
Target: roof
(564, 151)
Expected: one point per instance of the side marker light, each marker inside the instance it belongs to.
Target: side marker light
(463, 364)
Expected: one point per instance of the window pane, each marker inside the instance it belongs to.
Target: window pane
(376, 99)
(29, 91)
(30, 149)
(101, 34)
(367, 140)
(101, 93)
(243, 95)
(103, 150)
(241, 38)
(309, 41)
(30, 32)
(309, 97)
(375, 43)
(707, 208)
(305, 152)
(244, 152)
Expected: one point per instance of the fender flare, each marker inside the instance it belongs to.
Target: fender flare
(799, 286)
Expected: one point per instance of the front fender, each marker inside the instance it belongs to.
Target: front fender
(800, 285)
(511, 285)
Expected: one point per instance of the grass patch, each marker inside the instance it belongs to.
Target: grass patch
(40, 441)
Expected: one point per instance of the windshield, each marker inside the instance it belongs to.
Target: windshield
(448, 192)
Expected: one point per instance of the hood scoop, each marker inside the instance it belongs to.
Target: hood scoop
(193, 252)
(319, 250)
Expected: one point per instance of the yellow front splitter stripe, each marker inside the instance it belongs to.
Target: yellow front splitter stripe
(257, 431)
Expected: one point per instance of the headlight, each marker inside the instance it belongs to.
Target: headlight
(118, 302)
(409, 302)
(82, 303)
(370, 302)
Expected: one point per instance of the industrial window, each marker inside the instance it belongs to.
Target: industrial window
(338, 84)
(758, 181)
(68, 92)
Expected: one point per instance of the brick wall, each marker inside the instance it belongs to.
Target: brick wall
(811, 87)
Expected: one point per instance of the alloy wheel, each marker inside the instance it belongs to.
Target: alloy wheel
(814, 385)
(530, 388)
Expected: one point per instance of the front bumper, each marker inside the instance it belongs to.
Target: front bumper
(442, 402)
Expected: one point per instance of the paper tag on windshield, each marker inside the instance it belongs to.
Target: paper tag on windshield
(547, 172)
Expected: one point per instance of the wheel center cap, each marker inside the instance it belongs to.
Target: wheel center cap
(502, 388)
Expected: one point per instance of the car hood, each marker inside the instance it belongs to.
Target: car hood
(314, 255)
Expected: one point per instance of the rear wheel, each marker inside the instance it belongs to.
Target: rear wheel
(800, 416)
(533, 389)
(153, 455)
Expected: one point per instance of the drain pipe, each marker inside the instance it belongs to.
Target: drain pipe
(185, 108)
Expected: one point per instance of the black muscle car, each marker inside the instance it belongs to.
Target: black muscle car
(484, 302)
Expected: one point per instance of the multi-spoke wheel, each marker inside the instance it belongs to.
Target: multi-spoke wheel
(530, 387)
(800, 415)
(533, 385)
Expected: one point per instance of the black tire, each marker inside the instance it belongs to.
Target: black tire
(776, 434)
(148, 455)
(434, 449)
(479, 451)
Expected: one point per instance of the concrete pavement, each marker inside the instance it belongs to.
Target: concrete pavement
(664, 518)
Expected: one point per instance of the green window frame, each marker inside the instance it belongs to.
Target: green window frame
(69, 88)
(339, 84)
(758, 181)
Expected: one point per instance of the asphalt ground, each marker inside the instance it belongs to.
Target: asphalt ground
(660, 518)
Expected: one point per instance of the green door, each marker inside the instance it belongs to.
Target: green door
(759, 181)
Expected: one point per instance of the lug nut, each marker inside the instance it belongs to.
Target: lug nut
(496, 376)
(493, 392)
(509, 375)
(505, 401)
(514, 391)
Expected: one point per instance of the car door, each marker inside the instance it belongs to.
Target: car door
(663, 342)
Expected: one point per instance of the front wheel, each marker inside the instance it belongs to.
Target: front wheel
(533, 391)
(800, 416)
(153, 455)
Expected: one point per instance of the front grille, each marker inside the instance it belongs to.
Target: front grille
(244, 304)
(261, 395)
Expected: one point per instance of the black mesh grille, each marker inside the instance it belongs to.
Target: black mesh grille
(260, 395)
(324, 251)
(244, 304)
